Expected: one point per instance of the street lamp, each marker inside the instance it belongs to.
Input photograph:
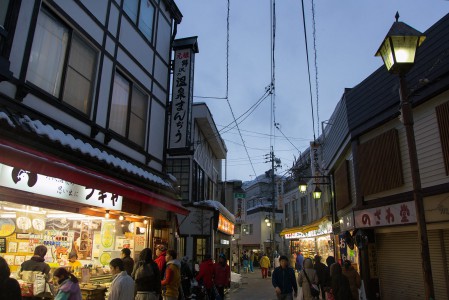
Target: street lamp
(398, 53)
(302, 186)
(317, 193)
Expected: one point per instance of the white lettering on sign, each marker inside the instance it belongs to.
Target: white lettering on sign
(27, 181)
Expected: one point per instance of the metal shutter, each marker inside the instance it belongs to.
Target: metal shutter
(436, 240)
(399, 266)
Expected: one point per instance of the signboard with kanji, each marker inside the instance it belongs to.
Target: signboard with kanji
(394, 214)
(24, 180)
(239, 208)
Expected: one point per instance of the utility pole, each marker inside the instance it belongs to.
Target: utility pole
(273, 182)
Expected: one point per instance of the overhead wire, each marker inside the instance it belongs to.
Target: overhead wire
(308, 68)
(316, 67)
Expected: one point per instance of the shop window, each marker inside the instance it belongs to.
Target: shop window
(181, 247)
(141, 12)
(442, 112)
(62, 64)
(379, 163)
(180, 168)
(129, 109)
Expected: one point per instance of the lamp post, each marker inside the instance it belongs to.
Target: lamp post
(398, 53)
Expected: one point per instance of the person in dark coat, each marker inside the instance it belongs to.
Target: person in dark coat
(340, 284)
(323, 274)
(128, 262)
(353, 277)
(9, 287)
(186, 276)
(284, 280)
(36, 263)
(222, 274)
(147, 276)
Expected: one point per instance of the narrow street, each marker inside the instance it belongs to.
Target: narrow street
(253, 287)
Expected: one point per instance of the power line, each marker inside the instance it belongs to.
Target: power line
(308, 68)
(316, 67)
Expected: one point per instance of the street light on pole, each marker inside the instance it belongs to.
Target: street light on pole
(398, 53)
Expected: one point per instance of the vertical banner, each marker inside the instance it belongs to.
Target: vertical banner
(342, 246)
(182, 95)
(239, 208)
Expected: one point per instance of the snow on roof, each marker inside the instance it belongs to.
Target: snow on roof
(4, 116)
(266, 205)
(217, 206)
(86, 148)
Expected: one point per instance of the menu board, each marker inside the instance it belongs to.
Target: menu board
(2, 245)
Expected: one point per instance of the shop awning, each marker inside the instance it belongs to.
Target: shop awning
(305, 228)
(26, 158)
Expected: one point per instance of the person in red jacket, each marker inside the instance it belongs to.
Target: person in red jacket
(206, 274)
(161, 251)
(222, 274)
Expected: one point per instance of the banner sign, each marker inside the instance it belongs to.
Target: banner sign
(182, 97)
(239, 208)
(394, 214)
(23, 180)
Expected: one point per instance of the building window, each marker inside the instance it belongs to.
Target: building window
(129, 108)
(304, 210)
(295, 212)
(180, 168)
(247, 229)
(287, 215)
(141, 12)
(199, 189)
(62, 64)
(200, 248)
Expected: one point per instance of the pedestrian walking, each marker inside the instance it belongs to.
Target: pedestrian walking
(206, 274)
(354, 279)
(122, 285)
(264, 265)
(299, 261)
(235, 262)
(340, 284)
(276, 262)
(251, 261)
(160, 260)
(323, 274)
(307, 278)
(69, 287)
(128, 262)
(222, 275)
(147, 277)
(186, 276)
(284, 280)
(245, 260)
(172, 278)
(293, 260)
(36, 263)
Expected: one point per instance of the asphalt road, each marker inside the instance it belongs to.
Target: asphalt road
(253, 287)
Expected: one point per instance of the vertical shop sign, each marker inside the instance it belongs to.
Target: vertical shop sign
(239, 208)
(342, 246)
(182, 95)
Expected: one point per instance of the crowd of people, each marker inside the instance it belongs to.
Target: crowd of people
(332, 281)
(164, 277)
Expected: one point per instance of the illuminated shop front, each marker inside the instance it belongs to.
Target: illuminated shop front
(313, 239)
(47, 201)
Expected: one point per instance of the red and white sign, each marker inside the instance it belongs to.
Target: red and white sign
(394, 214)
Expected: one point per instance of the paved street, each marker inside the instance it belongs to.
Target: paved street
(253, 287)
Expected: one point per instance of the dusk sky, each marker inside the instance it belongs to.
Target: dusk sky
(348, 33)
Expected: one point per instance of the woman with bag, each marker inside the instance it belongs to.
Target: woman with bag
(308, 280)
(69, 288)
(340, 284)
(147, 277)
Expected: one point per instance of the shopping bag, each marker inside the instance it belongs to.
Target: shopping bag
(39, 284)
(362, 294)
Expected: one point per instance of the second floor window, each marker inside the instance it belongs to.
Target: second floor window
(128, 114)
(62, 64)
(141, 12)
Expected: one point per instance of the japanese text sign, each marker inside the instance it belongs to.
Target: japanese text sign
(27, 181)
(394, 214)
(225, 226)
(239, 208)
